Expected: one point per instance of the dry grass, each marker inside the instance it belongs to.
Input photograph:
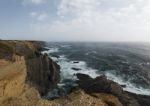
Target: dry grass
(6, 50)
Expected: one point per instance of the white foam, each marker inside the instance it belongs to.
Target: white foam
(129, 86)
(66, 46)
(51, 50)
(68, 73)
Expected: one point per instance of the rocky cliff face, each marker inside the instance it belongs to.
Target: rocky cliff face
(42, 72)
(26, 74)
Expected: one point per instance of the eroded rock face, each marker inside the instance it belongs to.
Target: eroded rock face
(43, 73)
(102, 85)
(23, 68)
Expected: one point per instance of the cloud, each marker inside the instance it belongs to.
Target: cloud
(39, 16)
(36, 2)
(98, 20)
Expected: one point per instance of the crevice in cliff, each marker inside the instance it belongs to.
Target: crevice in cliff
(42, 72)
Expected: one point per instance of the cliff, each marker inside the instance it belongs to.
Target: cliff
(21, 64)
(26, 75)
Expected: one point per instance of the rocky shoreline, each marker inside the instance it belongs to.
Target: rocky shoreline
(26, 75)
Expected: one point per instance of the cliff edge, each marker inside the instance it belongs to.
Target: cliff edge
(23, 67)
(26, 75)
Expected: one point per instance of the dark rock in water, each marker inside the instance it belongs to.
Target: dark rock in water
(76, 69)
(102, 85)
(56, 61)
(76, 62)
(99, 84)
(53, 55)
(44, 49)
(123, 86)
(83, 77)
(142, 99)
(67, 80)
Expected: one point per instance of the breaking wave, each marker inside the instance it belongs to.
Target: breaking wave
(68, 74)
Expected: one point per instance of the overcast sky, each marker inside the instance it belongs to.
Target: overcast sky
(75, 20)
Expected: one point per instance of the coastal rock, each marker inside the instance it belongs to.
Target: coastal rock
(102, 85)
(76, 62)
(99, 84)
(42, 72)
(142, 99)
(76, 69)
(25, 73)
(80, 98)
(53, 55)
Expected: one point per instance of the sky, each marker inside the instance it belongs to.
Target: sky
(75, 20)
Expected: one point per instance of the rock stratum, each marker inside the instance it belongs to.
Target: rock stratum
(26, 75)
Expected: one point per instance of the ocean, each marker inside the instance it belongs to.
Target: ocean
(125, 63)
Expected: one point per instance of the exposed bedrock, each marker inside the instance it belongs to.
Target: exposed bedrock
(26, 74)
(102, 85)
(42, 72)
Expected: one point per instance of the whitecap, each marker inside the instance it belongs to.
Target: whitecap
(51, 50)
(68, 73)
(129, 86)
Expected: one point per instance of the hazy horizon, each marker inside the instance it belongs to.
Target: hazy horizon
(75, 20)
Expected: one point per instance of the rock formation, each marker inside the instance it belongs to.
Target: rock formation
(42, 72)
(102, 85)
(26, 75)
(21, 65)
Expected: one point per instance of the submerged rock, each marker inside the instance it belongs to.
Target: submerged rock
(76, 62)
(53, 55)
(76, 69)
(123, 86)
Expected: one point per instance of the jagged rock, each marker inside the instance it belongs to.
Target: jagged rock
(75, 62)
(99, 84)
(53, 55)
(102, 85)
(79, 98)
(21, 65)
(123, 86)
(142, 99)
(76, 69)
(42, 72)
(23, 68)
